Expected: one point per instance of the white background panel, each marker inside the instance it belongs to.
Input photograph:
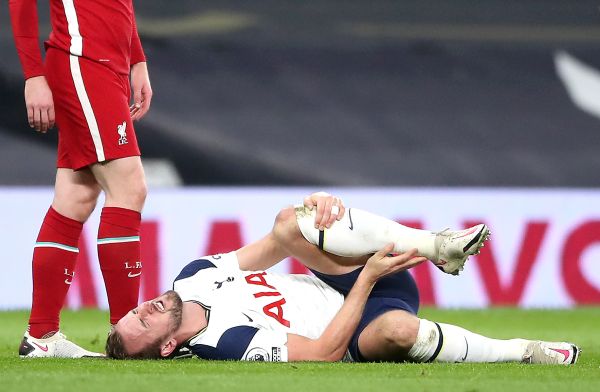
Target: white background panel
(185, 217)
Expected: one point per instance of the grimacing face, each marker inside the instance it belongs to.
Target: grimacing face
(151, 322)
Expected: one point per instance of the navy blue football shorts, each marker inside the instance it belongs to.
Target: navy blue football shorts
(395, 292)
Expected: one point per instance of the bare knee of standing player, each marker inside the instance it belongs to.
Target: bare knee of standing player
(389, 337)
(123, 182)
(75, 193)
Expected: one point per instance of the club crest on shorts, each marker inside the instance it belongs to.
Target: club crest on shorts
(121, 130)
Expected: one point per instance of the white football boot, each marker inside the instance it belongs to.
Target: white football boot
(56, 346)
(551, 353)
(455, 246)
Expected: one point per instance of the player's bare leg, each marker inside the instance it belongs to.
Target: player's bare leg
(285, 239)
(360, 232)
(75, 193)
(389, 337)
(400, 336)
(54, 258)
(123, 182)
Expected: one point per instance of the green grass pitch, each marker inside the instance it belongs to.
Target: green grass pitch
(89, 328)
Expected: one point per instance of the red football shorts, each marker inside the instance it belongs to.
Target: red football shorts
(92, 111)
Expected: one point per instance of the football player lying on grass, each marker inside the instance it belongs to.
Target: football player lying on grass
(361, 305)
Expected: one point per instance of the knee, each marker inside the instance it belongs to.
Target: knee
(401, 333)
(285, 227)
(136, 189)
(123, 181)
(132, 196)
(138, 192)
(76, 204)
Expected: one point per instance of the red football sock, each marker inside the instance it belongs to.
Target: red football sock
(119, 255)
(54, 258)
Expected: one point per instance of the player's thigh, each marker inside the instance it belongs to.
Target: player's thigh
(320, 261)
(389, 337)
(75, 193)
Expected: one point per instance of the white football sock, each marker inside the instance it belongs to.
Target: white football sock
(449, 343)
(359, 233)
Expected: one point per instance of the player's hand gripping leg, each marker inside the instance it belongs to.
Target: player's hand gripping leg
(382, 263)
(329, 209)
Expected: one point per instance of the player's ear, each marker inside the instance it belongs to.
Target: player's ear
(168, 347)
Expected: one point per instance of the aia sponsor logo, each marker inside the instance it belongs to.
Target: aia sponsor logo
(273, 309)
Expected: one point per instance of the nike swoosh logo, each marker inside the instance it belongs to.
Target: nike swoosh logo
(44, 349)
(467, 352)
(468, 232)
(132, 275)
(566, 353)
(249, 319)
(351, 227)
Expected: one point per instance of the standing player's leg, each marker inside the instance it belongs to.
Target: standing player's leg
(75, 195)
(111, 151)
(360, 232)
(54, 259)
(119, 233)
(56, 248)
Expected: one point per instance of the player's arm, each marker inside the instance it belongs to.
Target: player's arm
(266, 252)
(333, 343)
(38, 97)
(140, 80)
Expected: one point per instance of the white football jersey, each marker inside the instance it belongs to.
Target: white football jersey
(251, 312)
